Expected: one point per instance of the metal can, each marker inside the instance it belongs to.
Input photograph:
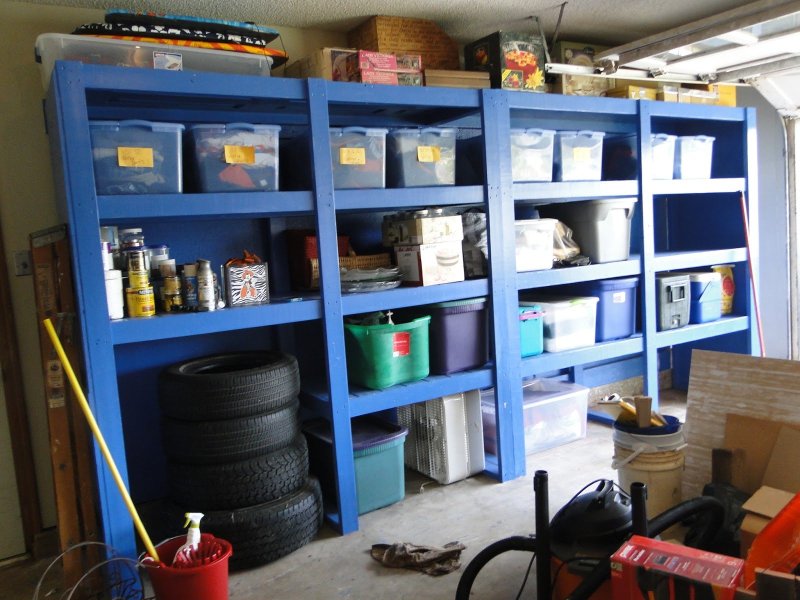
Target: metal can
(171, 285)
(141, 302)
(137, 260)
(728, 288)
(172, 300)
(138, 279)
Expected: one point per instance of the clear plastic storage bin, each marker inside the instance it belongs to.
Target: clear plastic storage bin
(359, 157)
(421, 157)
(534, 244)
(578, 155)
(663, 155)
(553, 413)
(51, 47)
(136, 157)
(693, 156)
(621, 156)
(235, 157)
(569, 322)
(532, 154)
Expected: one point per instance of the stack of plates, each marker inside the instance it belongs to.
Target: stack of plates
(370, 280)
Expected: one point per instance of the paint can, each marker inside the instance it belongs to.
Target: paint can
(728, 287)
(138, 279)
(141, 302)
(137, 259)
(107, 256)
(172, 301)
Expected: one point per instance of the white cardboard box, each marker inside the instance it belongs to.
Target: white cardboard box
(424, 230)
(431, 264)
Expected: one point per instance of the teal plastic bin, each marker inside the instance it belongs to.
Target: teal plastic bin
(378, 451)
(531, 330)
(380, 356)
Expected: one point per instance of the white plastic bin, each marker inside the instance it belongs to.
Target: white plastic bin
(578, 155)
(693, 157)
(569, 322)
(553, 413)
(602, 228)
(663, 154)
(532, 154)
(534, 244)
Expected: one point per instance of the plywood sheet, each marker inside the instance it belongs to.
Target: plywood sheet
(721, 384)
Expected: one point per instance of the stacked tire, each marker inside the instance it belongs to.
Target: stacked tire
(235, 452)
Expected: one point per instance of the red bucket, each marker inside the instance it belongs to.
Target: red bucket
(204, 582)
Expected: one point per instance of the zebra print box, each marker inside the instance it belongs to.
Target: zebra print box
(246, 285)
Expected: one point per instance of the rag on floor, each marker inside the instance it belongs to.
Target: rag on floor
(433, 560)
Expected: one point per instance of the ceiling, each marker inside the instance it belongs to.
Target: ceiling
(601, 22)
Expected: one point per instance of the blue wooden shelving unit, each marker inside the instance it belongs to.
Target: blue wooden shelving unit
(679, 225)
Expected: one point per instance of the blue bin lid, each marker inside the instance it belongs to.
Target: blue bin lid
(136, 124)
(673, 426)
(444, 132)
(621, 283)
(368, 431)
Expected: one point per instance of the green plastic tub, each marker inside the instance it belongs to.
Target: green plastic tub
(380, 356)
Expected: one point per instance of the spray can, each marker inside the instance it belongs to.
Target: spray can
(189, 285)
(205, 286)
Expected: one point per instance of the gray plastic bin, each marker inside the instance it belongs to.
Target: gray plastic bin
(672, 299)
(602, 228)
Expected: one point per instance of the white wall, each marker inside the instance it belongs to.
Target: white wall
(773, 227)
(27, 201)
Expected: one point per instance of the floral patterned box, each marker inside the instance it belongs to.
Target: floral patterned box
(514, 60)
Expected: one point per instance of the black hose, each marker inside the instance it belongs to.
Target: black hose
(639, 508)
(518, 542)
(542, 503)
(714, 516)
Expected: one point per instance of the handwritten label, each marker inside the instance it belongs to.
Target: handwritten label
(135, 157)
(429, 154)
(401, 344)
(352, 156)
(240, 155)
(582, 154)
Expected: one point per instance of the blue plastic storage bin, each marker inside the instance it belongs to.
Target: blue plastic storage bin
(705, 297)
(358, 155)
(616, 310)
(421, 157)
(378, 451)
(136, 157)
(235, 157)
(531, 330)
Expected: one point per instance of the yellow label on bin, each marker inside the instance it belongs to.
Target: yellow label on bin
(240, 155)
(581, 153)
(135, 157)
(429, 153)
(352, 156)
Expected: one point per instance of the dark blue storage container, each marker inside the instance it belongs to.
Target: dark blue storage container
(705, 297)
(616, 310)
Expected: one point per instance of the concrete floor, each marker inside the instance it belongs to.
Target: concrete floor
(475, 512)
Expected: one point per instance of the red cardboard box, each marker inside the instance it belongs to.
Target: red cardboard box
(367, 60)
(375, 76)
(643, 569)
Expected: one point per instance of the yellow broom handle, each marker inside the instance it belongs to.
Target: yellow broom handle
(98, 436)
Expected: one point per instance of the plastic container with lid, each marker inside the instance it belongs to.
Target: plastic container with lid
(569, 322)
(136, 157)
(359, 157)
(693, 156)
(116, 305)
(578, 156)
(621, 156)
(553, 413)
(383, 355)
(235, 157)
(457, 334)
(616, 308)
(378, 448)
(531, 330)
(534, 244)
(532, 154)
(602, 228)
(421, 157)
(705, 296)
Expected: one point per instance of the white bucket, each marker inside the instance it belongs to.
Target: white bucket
(655, 460)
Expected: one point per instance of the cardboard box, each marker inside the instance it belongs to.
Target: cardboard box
(430, 264)
(633, 92)
(668, 93)
(426, 230)
(572, 53)
(399, 35)
(409, 63)
(375, 76)
(404, 78)
(457, 79)
(367, 60)
(514, 60)
(760, 509)
(723, 94)
(644, 568)
(325, 63)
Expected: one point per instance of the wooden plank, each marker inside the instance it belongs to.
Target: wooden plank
(724, 383)
(19, 430)
(70, 450)
(771, 585)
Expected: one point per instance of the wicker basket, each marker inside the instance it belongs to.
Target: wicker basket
(367, 261)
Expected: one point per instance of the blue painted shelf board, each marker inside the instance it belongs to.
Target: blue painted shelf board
(568, 191)
(534, 279)
(671, 261)
(552, 361)
(701, 331)
(405, 198)
(411, 296)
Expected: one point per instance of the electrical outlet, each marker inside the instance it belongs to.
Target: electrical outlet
(22, 262)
